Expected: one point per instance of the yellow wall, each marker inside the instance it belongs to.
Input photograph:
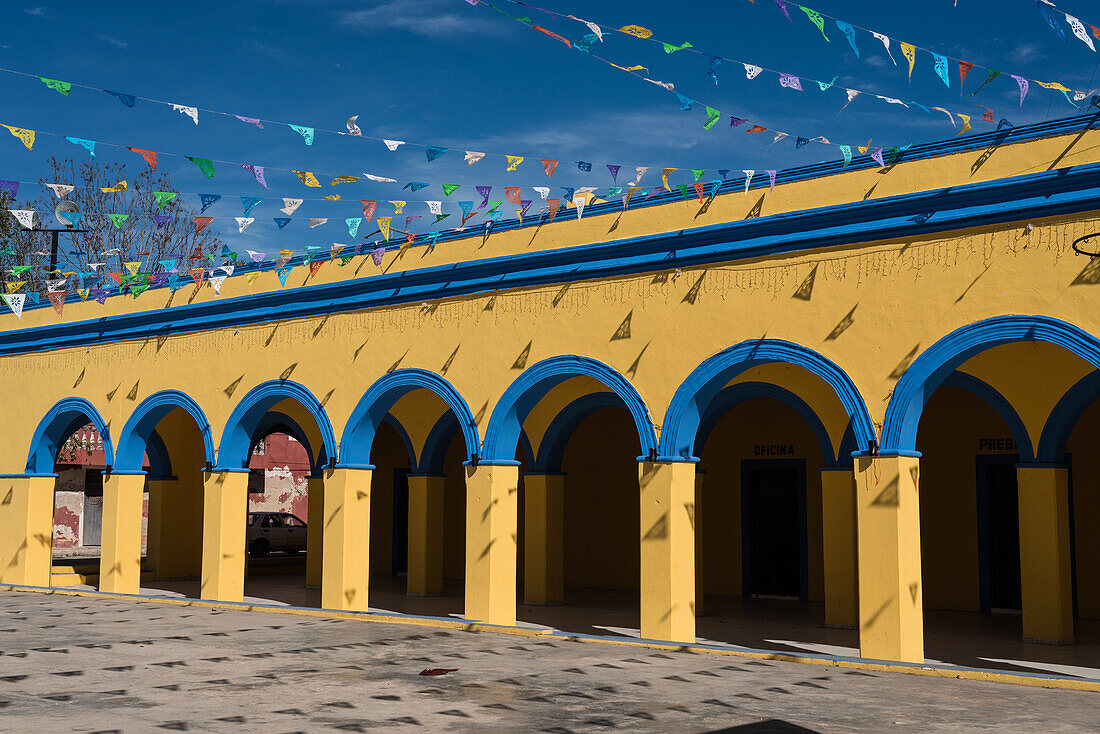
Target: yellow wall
(761, 421)
(601, 515)
(954, 420)
(1085, 480)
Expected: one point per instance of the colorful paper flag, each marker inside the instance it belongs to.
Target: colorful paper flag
(307, 178)
(549, 167)
(258, 172)
(513, 162)
(27, 136)
(305, 132)
(205, 165)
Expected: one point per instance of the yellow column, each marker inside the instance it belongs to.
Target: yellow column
(492, 502)
(26, 530)
(891, 614)
(315, 508)
(699, 474)
(425, 558)
(1045, 582)
(668, 550)
(346, 522)
(838, 536)
(120, 555)
(224, 516)
(544, 539)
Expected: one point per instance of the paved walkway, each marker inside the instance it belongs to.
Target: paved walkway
(105, 665)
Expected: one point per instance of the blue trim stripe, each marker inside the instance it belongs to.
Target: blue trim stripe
(132, 442)
(241, 428)
(999, 403)
(1062, 420)
(1046, 194)
(66, 416)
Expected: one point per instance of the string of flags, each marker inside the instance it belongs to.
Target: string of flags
(308, 134)
(786, 80)
(1050, 13)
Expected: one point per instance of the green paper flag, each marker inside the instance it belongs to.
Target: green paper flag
(163, 197)
(449, 189)
(205, 165)
(712, 117)
(816, 19)
(993, 74)
(684, 189)
(118, 219)
(670, 49)
(698, 173)
(440, 217)
(58, 86)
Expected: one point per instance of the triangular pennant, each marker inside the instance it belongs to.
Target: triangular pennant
(216, 283)
(118, 219)
(473, 157)
(127, 99)
(191, 112)
(305, 132)
(201, 223)
(15, 302)
(249, 203)
(290, 206)
(283, 272)
(368, 209)
(449, 189)
(163, 197)
(393, 144)
(208, 200)
(549, 166)
(513, 162)
(243, 223)
(281, 222)
(353, 225)
(25, 217)
(27, 136)
(57, 300)
(432, 152)
(118, 187)
(377, 254)
(258, 172)
(307, 178)
(205, 165)
(88, 145)
(197, 275)
(910, 52)
(384, 226)
(484, 191)
(314, 267)
(150, 156)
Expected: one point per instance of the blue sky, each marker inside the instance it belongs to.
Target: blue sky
(446, 73)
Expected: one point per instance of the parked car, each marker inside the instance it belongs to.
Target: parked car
(275, 531)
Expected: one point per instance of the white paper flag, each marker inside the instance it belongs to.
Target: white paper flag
(257, 257)
(61, 190)
(95, 267)
(591, 26)
(891, 100)
(579, 202)
(15, 302)
(291, 206)
(778, 137)
(216, 282)
(886, 43)
(435, 207)
(191, 112)
(1079, 31)
(748, 177)
(949, 115)
(317, 221)
(243, 222)
(380, 179)
(639, 171)
(53, 286)
(24, 217)
(228, 269)
(472, 157)
(393, 144)
(542, 191)
(752, 70)
(353, 129)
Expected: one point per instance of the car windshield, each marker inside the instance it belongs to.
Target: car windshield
(271, 521)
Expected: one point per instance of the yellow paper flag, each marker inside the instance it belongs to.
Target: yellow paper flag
(14, 285)
(252, 277)
(1048, 85)
(332, 197)
(83, 293)
(664, 176)
(966, 123)
(133, 267)
(514, 161)
(398, 206)
(120, 186)
(27, 136)
(384, 225)
(286, 254)
(630, 68)
(636, 30)
(910, 52)
(307, 178)
(344, 179)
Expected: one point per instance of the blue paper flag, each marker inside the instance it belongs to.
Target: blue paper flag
(353, 225)
(433, 152)
(723, 171)
(282, 221)
(584, 166)
(249, 203)
(208, 200)
(849, 33)
(466, 207)
(799, 142)
(126, 99)
(415, 185)
(847, 151)
(1051, 17)
(584, 43)
(568, 196)
(88, 145)
(713, 62)
(685, 103)
(941, 68)
(72, 218)
(305, 132)
(284, 273)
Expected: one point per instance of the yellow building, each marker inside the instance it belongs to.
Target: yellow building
(872, 387)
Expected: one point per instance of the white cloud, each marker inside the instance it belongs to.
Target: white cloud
(40, 10)
(425, 18)
(116, 42)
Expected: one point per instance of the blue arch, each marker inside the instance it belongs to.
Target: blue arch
(275, 422)
(732, 396)
(59, 423)
(402, 434)
(692, 398)
(931, 368)
(438, 442)
(241, 428)
(380, 398)
(160, 463)
(998, 402)
(549, 456)
(506, 421)
(132, 442)
(1064, 417)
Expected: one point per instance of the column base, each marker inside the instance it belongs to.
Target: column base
(1040, 641)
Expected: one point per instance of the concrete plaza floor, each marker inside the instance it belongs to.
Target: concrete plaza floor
(956, 638)
(121, 665)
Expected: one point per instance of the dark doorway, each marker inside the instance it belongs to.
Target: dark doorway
(773, 527)
(998, 532)
(400, 552)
